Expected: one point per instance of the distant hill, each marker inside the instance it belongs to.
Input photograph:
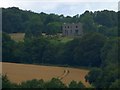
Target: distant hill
(16, 20)
(21, 72)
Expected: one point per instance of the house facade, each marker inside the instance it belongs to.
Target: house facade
(72, 29)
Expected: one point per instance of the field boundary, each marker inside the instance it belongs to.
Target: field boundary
(56, 65)
(32, 71)
(65, 73)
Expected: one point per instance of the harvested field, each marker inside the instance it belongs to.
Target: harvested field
(20, 37)
(17, 36)
(21, 72)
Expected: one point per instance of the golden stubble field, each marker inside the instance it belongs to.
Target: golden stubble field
(21, 72)
(17, 36)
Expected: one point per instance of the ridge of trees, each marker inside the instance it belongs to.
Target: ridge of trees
(34, 83)
(33, 24)
(97, 48)
(82, 51)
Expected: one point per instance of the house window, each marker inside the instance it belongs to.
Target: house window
(66, 32)
(76, 32)
(71, 31)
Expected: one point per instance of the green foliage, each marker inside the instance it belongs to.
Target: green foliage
(109, 53)
(108, 75)
(54, 83)
(103, 78)
(33, 50)
(98, 47)
(6, 83)
(88, 22)
(34, 23)
(8, 46)
(34, 27)
(115, 84)
(74, 84)
(89, 49)
(85, 50)
(32, 84)
(14, 20)
(106, 18)
(53, 28)
(50, 54)
(93, 75)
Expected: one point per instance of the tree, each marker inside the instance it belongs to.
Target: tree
(6, 83)
(68, 53)
(108, 73)
(53, 28)
(50, 54)
(33, 50)
(106, 18)
(93, 75)
(74, 84)
(109, 53)
(34, 27)
(28, 21)
(15, 18)
(115, 84)
(32, 84)
(8, 47)
(88, 22)
(87, 53)
(54, 83)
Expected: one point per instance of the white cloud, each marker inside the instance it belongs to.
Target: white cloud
(70, 7)
(67, 0)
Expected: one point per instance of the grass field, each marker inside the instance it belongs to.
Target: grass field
(21, 72)
(65, 39)
(20, 37)
(17, 36)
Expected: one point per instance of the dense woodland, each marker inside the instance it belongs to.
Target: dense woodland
(97, 48)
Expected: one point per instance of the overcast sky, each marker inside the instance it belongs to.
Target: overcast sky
(65, 7)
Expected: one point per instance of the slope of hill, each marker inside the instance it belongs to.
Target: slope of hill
(21, 72)
(17, 36)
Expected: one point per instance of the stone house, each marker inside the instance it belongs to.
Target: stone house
(72, 29)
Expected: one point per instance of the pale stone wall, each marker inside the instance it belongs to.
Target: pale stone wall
(74, 29)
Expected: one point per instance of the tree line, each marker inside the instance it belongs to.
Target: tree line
(108, 75)
(97, 48)
(77, 52)
(92, 50)
(33, 24)
(34, 83)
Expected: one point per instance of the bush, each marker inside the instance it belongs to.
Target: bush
(54, 83)
(74, 84)
(32, 84)
(6, 82)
